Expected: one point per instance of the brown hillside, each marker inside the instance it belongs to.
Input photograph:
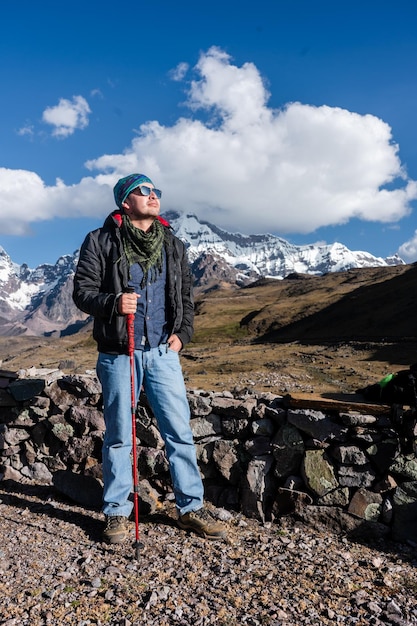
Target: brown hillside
(358, 305)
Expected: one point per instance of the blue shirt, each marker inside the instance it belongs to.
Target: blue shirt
(150, 320)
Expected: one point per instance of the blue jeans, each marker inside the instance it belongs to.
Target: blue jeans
(159, 370)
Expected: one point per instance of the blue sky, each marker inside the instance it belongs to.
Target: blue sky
(296, 118)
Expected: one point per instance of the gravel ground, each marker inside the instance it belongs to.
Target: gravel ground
(55, 570)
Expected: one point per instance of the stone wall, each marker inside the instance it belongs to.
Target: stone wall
(352, 471)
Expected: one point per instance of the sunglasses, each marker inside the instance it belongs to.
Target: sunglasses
(144, 190)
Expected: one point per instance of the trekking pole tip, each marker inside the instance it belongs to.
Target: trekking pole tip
(138, 545)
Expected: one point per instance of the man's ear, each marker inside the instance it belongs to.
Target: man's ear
(125, 205)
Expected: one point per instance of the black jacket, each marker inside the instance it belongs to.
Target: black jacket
(102, 275)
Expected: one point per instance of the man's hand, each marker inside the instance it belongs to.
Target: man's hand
(127, 303)
(174, 343)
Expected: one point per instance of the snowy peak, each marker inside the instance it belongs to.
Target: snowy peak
(255, 256)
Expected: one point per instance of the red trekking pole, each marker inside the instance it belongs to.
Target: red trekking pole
(131, 349)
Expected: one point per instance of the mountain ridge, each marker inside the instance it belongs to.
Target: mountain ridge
(39, 301)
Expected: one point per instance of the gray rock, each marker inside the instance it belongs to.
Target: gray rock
(37, 472)
(150, 436)
(315, 424)
(383, 453)
(263, 427)
(24, 418)
(234, 427)
(83, 386)
(86, 418)
(405, 512)
(318, 473)
(26, 388)
(254, 486)
(226, 458)
(149, 499)
(258, 446)
(356, 419)
(84, 490)
(151, 461)
(405, 467)
(337, 497)
(76, 450)
(60, 428)
(13, 436)
(349, 455)
(199, 405)
(233, 408)
(206, 426)
(288, 501)
(288, 449)
(356, 476)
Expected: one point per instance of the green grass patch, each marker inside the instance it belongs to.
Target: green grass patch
(226, 332)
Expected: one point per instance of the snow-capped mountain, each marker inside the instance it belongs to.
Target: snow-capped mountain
(39, 301)
(255, 256)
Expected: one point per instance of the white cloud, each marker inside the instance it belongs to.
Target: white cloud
(67, 116)
(179, 72)
(408, 250)
(236, 94)
(250, 168)
(26, 130)
(254, 168)
(26, 199)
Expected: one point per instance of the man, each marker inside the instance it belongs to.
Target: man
(135, 249)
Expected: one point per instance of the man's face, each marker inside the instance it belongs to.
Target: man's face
(139, 206)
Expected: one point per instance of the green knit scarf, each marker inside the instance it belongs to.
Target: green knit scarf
(144, 248)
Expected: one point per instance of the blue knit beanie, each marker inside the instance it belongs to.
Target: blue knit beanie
(125, 185)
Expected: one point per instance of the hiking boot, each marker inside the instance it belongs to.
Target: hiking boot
(203, 523)
(116, 529)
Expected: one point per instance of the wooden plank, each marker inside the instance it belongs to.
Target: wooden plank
(336, 402)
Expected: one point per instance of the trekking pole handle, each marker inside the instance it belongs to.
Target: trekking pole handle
(130, 326)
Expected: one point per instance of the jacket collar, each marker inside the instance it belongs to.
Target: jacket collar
(117, 217)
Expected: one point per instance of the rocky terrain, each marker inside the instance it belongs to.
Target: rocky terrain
(317, 335)
(55, 570)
